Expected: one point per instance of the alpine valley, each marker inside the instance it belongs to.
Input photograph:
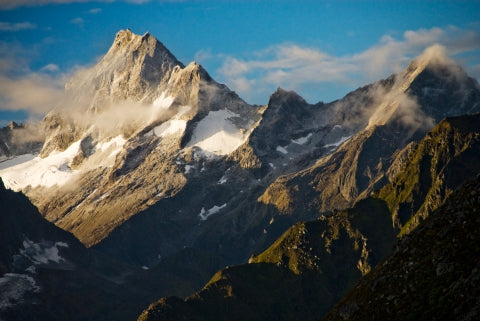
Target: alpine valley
(150, 179)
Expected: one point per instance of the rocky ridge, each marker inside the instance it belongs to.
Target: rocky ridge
(433, 272)
(319, 261)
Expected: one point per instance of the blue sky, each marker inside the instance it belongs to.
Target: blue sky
(321, 49)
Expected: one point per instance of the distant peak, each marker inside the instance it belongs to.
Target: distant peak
(12, 125)
(281, 93)
(432, 57)
(435, 55)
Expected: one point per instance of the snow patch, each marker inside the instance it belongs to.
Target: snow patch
(217, 134)
(188, 169)
(204, 214)
(223, 180)
(113, 146)
(302, 140)
(282, 150)
(170, 127)
(338, 143)
(42, 253)
(163, 102)
(13, 288)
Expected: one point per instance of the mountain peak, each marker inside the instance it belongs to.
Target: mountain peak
(123, 36)
(435, 55)
(126, 41)
(434, 59)
(282, 95)
(136, 67)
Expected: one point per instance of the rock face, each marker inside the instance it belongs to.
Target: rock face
(19, 139)
(47, 274)
(395, 112)
(432, 274)
(127, 137)
(313, 264)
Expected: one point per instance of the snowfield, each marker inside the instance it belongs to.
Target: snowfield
(217, 134)
(17, 160)
(28, 170)
(49, 171)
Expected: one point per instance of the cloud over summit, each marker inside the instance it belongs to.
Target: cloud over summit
(294, 67)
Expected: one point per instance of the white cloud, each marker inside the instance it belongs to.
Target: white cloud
(36, 92)
(50, 68)
(78, 21)
(295, 67)
(23, 89)
(12, 26)
(95, 10)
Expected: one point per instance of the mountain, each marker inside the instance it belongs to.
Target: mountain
(47, 274)
(104, 142)
(433, 273)
(406, 106)
(155, 164)
(313, 264)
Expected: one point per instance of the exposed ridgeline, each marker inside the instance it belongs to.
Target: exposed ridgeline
(433, 273)
(398, 111)
(313, 264)
(333, 154)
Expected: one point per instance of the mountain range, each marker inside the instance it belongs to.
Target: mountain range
(166, 176)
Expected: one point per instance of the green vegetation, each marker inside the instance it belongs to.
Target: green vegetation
(438, 165)
(433, 273)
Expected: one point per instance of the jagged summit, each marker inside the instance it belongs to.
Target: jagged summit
(135, 67)
(282, 95)
(128, 125)
(432, 87)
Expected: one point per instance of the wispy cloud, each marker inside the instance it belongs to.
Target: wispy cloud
(78, 21)
(11, 4)
(16, 26)
(36, 92)
(50, 68)
(95, 10)
(294, 67)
